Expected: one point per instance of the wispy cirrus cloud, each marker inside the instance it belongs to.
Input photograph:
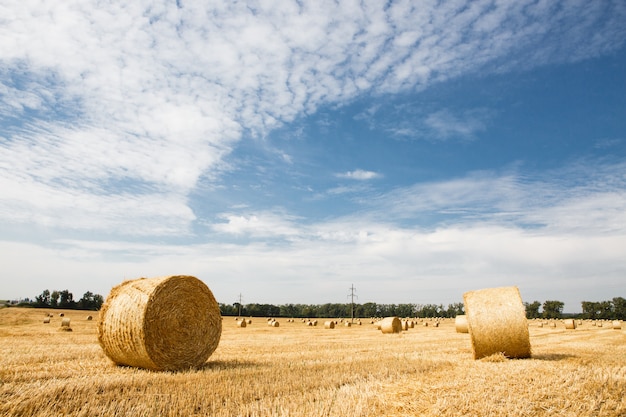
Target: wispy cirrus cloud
(156, 95)
(359, 175)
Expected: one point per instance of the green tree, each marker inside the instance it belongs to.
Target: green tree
(553, 309)
(619, 308)
(54, 299)
(43, 300)
(532, 309)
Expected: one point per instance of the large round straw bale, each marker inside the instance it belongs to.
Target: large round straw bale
(329, 324)
(497, 322)
(241, 323)
(46, 320)
(166, 323)
(65, 322)
(617, 325)
(570, 324)
(460, 324)
(391, 325)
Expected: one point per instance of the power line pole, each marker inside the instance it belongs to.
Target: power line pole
(239, 304)
(352, 295)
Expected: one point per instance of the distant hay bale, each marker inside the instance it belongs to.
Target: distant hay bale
(425, 324)
(617, 325)
(329, 324)
(89, 318)
(65, 322)
(275, 324)
(460, 324)
(497, 322)
(166, 323)
(390, 325)
(599, 324)
(436, 324)
(61, 314)
(314, 322)
(411, 324)
(310, 324)
(405, 325)
(347, 324)
(249, 321)
(570, 324)
(241, 323)
(46, 320)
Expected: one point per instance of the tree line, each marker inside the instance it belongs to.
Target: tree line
(330, 310)
(65, 300)
(614, 309)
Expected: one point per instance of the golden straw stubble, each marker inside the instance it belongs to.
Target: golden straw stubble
(167, 323)
(497, 322)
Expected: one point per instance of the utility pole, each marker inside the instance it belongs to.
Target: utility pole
(239, 304)
(352, 295)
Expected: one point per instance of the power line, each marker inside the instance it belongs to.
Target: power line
(352, 295)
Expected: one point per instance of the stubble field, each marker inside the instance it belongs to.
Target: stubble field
(298, 370)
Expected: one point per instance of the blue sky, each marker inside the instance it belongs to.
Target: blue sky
(414, 149)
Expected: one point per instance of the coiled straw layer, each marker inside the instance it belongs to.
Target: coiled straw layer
(168, 323)
(497, 322)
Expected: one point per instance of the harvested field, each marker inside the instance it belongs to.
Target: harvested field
(298, 370)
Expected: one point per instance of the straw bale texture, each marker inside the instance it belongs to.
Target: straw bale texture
(570, 324)
(46, 320)
(497, 322)
(617, 325)
(167, 323)
(65, 322)
(329, 324)
(391, 325)
(460, 323)
(241, 323)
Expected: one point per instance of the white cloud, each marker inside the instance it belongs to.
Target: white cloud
(359, 174)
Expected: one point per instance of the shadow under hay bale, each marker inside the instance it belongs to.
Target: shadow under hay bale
(497, 322)
(167, 323)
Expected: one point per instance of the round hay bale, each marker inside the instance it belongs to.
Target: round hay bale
(249, 321)
(166, 323)
(347, 324)
(65, 322)
(61, 314)
(617, 325)
(599, 324)
(390, 325)
(329, 324)
(497, 322)
(405, 325)
(570, 324)
(241, 323)
(460, 324)
(436, 324)
(46, 320)
(89, 318)
(275, 324)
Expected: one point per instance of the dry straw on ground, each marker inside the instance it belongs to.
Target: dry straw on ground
(497, 322)
(460, 324)
(391, 325)
(167, 323)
